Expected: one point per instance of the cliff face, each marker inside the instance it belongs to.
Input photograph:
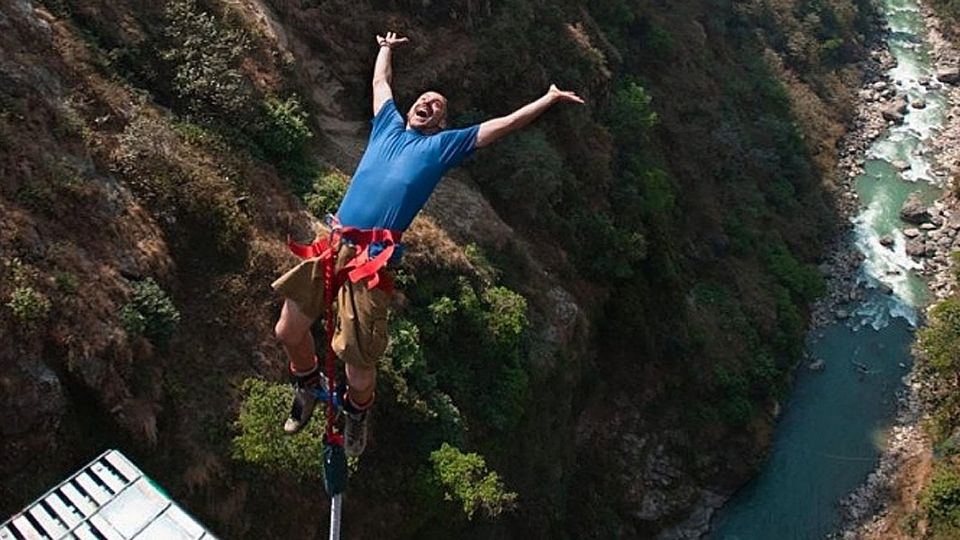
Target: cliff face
(604, 306)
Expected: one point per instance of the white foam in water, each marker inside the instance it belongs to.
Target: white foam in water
(873, 314)
(880, 309)
(883, 266)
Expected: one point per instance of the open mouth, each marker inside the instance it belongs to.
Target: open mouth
(422, 112)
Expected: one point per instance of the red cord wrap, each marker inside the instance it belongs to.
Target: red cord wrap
(362, 266)
(330, 287)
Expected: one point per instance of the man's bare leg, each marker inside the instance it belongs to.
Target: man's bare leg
(362, 382)
(293, 331)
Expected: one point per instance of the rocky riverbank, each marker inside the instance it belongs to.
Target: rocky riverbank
(939, 226)
(873, 509)
(841, 269)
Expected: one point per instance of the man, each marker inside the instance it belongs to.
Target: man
(401, 166)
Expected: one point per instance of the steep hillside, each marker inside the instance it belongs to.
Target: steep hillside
(598, 316)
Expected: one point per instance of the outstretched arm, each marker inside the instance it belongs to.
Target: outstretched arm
(492, 130)
(383, 70)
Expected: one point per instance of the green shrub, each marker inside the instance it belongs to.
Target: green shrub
(606, 249)
(524, 175)
(29, 306)
(491, 336)
(285, 130)
(487, 272)
(630, 115)
(940, 500)
(735, 405)
(832, 51)
(658, 194)
(67, 282)
(150, 312)
(466, 480)
(659, 41)
(802, 280)
(506, 316)
(404, 368)
(441, 310)
(790, 329)
(205, 61)
(940, 340)
(260, 439)
(326, 192)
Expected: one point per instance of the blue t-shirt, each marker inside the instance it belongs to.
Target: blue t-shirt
(399, 170)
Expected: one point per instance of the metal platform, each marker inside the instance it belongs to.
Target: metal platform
(109, 499)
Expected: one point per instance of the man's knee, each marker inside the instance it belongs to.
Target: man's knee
(361, 379)
(293, 324)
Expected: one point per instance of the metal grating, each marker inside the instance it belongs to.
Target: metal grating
(109, 499)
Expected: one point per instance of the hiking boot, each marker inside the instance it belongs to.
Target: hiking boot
(304, 398)
(355, 432)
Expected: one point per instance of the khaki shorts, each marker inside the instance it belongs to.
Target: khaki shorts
(360, 335)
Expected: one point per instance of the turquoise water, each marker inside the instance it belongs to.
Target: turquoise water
(831, 432)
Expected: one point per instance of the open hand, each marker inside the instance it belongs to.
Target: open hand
(392, 40)
(560, 95)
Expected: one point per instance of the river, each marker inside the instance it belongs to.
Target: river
(832, 430)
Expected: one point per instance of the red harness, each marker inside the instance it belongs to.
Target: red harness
(360, 267)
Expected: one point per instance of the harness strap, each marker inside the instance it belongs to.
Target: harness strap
(362, 266)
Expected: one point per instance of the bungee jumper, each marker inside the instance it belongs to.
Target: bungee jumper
(404, 161)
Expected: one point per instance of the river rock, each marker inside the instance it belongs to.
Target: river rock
(918, 103)
(841, 314)
(916, 247)
(914, 211)
(949, 75)
(927, 226)
(900, 165)
(879, 85)
(894, 110)
(886, 241)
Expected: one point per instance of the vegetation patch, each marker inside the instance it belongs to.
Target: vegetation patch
(150, 312)
(466, 480)
(260, 438)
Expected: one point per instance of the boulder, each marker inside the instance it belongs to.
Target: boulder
(918, 103)
(886, 241)
(914, 211)
(900, 165)
(916, 247)
(949, 75)
(894, 110)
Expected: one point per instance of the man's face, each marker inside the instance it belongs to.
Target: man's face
(429, 113)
